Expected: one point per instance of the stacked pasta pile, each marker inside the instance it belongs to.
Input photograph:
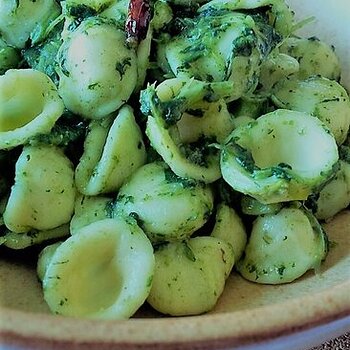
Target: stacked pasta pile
(149, 155)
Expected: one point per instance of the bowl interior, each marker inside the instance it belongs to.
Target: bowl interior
(245, 312)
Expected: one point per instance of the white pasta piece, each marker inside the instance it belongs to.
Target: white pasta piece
(319, 96)
(335, 196)
(282, 247)
(97, 71)
(111, 154)
(44, 259)
(230, 228)
(30, 105)
(23, 240)
(315, 57)
(276, 67)
(251, 206)
(26, 19)
(190, 276)
(167, 207)
(104, 271)
(44, 192)
(88, 210)
(304, 157)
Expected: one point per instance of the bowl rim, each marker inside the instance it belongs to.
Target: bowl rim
(238, 328)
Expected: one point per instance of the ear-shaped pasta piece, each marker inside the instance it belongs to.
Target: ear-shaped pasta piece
(335, 196)
(23, 240)
(44, 259)
(230, 228)
(279, 13)
(315, 57)
(319, 96)
(88, 210)
(165, 107)
(168, 208)
(44, 192)
(190, 276)
(111, 154)
(206, 119)
(30, 105)
(196, 52)
(250, 167)
(283, 246)
(97, 71)
(104, 271)
(26, 19)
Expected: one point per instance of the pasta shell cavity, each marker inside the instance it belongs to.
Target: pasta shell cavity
(30, 105)
(44, 192)
(97, 71)
(103, 271)
(167, 207)
(279, 175)
(113, 150)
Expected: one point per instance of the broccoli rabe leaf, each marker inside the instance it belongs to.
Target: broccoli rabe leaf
(69, 128)
(43, 56)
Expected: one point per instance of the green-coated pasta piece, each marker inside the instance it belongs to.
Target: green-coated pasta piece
(230, 228)
(315, 57)
(111, 154)
(88, 210)
(104, 271)
(24, 240)
(335, 196)
(165, 106)
(279, 13)
(23, 20)
(319, 96)
(224, 46)
(167, 207)
(250, 167)
(43, 194)
(97, 71)
(190, 276)
(283, 246)
(30, 105)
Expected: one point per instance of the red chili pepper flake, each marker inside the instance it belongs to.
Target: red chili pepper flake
(137, 22)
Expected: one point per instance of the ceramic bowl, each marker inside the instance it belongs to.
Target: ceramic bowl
(248, 316)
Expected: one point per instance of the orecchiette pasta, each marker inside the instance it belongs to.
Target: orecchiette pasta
(249, 166)
(111, 261)
(113, 150)
(168, 207)
(43, 194)
(96, 80)
(190, 277)
(319, 96)
(283, 246)
(30, 105)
